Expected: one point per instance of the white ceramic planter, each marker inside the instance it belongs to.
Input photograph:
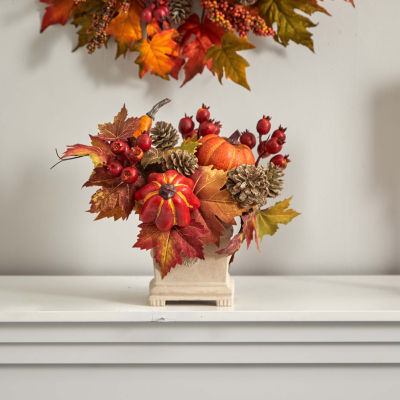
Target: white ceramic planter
(195, 280)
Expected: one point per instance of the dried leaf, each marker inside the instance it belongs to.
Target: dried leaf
(249, 227)
(121, 128)
(100, 151)
(156, 53)
(57, 12)
(233, 245)
(152, 156)
(217, 207)
(226, 60)
(268, 219)
(170, 246)
(126, 27)
(196, 39)
(291, 25)
(190, 145)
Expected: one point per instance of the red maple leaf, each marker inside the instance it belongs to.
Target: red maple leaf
(196, 39)
(57, 12)
(171, 246)
(249, 226)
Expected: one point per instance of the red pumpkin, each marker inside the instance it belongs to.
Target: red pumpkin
(167, 200)
(221, 154)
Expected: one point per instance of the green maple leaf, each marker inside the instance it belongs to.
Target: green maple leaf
(189, 144)
(226, 60)
(279, 213)
(290, 25)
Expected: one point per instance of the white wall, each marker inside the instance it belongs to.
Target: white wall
(342, 107)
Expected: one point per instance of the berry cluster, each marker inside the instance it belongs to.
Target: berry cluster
(236, 17)
(272, 144)
(127, 155)
(207, 126)
(158, 10)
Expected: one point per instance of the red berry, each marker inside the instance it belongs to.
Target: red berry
(280, 135)
(135, 154)
(186, 125)
(280, 161)
(129, 175)
(218, 127)
(262, 150)
(161, 13)
(114, 168)
(203, 114)
(189, 135)
(146, 15)
(264, 125)
(207, 128)
(119, 147)
(273, 146)
(248, 139)
(144, 141)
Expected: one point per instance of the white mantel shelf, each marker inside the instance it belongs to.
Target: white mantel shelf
(106, 320)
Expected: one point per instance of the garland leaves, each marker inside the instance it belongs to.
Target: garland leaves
(212, 41)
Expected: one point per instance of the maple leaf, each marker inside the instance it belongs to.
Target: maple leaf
(156, 54)
(217, 207)
(152, 156)
(226, 60)
(291, 25)
(189, 144)
(126, 27)
(171, 245)
(100, 151)
(121, 128)
(196, 39)
(268, 219)
(57, 12)
(233, 245)
(249, 226)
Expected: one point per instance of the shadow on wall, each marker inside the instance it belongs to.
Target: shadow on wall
(385, 166)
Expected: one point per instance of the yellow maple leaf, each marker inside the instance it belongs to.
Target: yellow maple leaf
(125, 27)
(225, 59)
(155, 53)
(279, 213)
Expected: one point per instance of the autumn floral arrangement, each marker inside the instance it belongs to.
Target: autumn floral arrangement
(171, 36)
(187, 194)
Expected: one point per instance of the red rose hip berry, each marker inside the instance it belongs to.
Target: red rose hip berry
(262, 150)
(203, 114)
(147, 15)
(119, 147)
(135, 154)
(207, 128)
(280, 134)
(144, 141)
(280, 161)
(272, 146)
(186, 125)
(248, 139)
(264, 125)
(114, 168)
(129, 175)
(161, 13)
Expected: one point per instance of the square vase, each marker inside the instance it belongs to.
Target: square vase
(195, 280)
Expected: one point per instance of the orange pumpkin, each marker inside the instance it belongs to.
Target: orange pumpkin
(221, 154)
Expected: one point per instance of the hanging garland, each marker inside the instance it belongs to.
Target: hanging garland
(171, 38)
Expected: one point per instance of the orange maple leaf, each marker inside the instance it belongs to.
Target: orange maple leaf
(171, 245)
(57, 12)
(156, 53)
(125, 27)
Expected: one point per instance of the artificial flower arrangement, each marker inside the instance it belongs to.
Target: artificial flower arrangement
(187, 195)
(171, 36)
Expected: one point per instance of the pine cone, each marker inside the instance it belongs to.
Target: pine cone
(179, 11)
(275, 176)
(181, 161)
(246, 2)
(164, 136)
(248, 184)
